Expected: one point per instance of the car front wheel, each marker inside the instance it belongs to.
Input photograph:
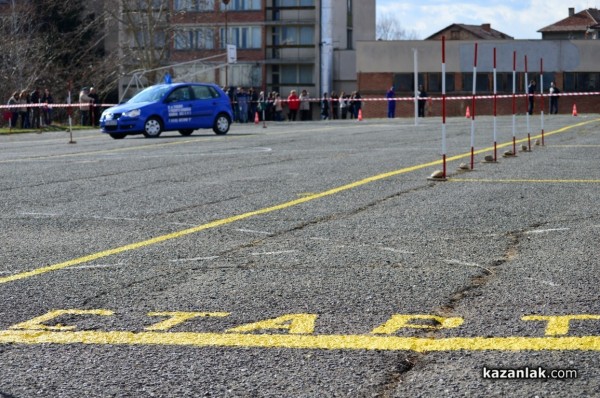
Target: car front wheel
(117, 136)
(222, 123)
(153, 127)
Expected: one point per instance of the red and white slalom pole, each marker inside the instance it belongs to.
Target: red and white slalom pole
(443, 107)
(542, 96)
(527, 102)
(495, 109)
(473, 109)
(514, 104)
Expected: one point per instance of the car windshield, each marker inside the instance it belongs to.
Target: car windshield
(151, 94)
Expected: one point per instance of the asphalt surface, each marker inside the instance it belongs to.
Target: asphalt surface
(309, 259)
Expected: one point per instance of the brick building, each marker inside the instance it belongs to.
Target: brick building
(281, 44)
(574, 65)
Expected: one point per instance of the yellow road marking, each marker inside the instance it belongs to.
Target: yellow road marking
(239, 217)
(327, 342)
(131, 148)
(524, 180)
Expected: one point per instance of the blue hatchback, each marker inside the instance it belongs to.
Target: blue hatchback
(182, 107)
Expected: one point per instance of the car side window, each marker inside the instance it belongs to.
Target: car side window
(179, 94)
(204, 92)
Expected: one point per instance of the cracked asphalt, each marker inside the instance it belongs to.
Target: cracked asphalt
(309, 259)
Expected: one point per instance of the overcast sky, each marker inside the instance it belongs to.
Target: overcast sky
(520, 19)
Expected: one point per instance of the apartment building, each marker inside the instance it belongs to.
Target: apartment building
(282, 45)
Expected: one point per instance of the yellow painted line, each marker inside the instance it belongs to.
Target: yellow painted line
(148, 146)
(576, 146)
(523, 180)
(114, 150)
(239, 217)
(327, 342)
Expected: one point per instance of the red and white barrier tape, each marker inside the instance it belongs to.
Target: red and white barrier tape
(470, 97)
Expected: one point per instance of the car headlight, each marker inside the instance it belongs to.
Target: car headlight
(132, 113)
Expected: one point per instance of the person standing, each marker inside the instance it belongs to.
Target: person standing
(14, 112)
(47, 99)
(422, 94)
(344, 104)
(94, 103)
(335, 105)
(242, 100)
(325, 107)
(293, 105)
(34, 98)
(278, 105)
(356, 104)
(554, 91)
(84, 105)
(531, 96)
(304, 106)
(391, 102)
(24, 110)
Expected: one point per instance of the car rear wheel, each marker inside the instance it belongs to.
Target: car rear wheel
(153, 127)
(186, 132)
(221, 125)
(117, 136)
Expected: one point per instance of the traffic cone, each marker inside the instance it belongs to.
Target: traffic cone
(360, 115)
(255, 117)
(574, 110)
(468, 113)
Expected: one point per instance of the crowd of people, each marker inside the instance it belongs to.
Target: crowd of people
(24, 116)
(249, 104)
(22, 113)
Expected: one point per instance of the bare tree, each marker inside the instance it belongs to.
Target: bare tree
(143, 32)
(47, 44)
(389, 28)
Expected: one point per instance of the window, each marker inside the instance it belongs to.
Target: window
(297, 74)
(482, 84)
(405, 82)
(294, 36)
(504, 82)
(242, 5)
(435, 82)
(142, 39)
(294, 3)
(179, 94)
(204, 92)
(194, 5)
(244, 37)
(143, 5)
(196, 39)
(581, 81)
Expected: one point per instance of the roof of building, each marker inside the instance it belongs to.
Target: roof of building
(576, 22)
(483, 31)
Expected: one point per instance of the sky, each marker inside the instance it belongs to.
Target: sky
(520, 19)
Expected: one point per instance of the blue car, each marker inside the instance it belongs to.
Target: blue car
(182, 107)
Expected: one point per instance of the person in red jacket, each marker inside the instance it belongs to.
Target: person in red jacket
(293, 105)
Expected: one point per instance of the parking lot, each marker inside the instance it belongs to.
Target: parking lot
(311, 259)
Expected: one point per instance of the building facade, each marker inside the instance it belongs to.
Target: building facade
(282, 45)
(574, 65)
(583, 25)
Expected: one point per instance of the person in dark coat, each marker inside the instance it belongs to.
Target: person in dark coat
(390, 95)
(422, 94)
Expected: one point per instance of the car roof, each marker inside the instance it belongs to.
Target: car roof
(185, 84)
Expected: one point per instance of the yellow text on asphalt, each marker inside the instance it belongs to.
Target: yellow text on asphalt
(298, 331)
(558, 325)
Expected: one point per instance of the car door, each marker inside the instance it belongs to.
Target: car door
(179, 109)
(205, 103)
